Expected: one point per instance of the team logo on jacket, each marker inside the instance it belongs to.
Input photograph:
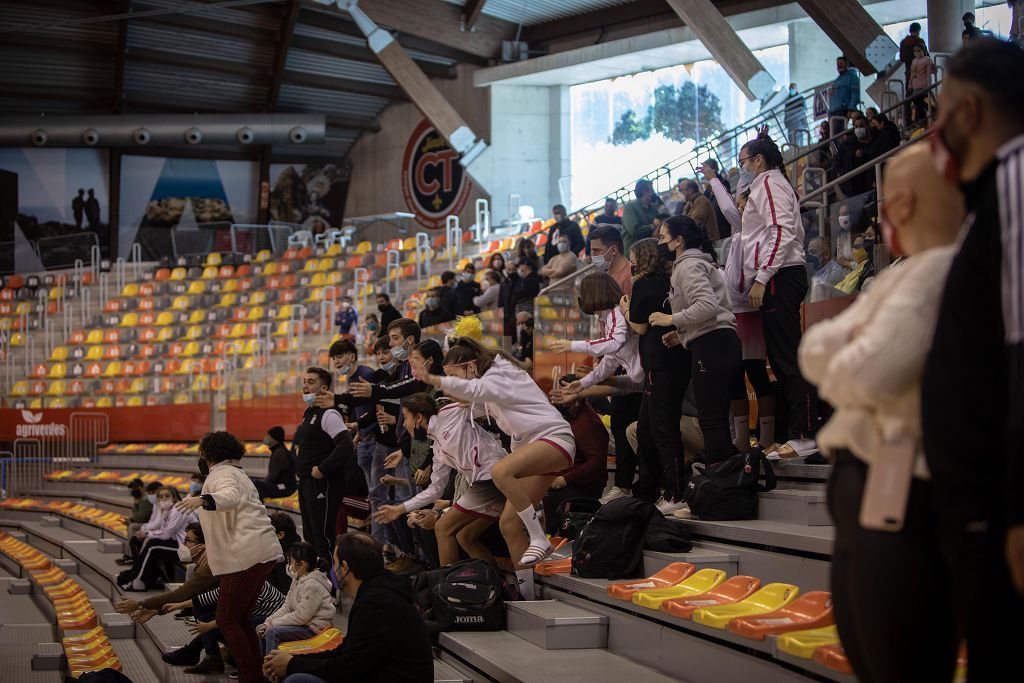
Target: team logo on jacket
(433, 181)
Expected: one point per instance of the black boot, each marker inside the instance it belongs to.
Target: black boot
(208, 666)
(185, 656)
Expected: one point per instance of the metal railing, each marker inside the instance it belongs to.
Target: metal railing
(42, 448)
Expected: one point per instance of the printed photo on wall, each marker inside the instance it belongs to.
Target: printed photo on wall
(311, 195)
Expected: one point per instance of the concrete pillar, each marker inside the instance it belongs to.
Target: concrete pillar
(812, 55)
(560, 140)
(945, 25)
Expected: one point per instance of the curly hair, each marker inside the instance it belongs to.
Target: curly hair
(648, 262)
(221, 446)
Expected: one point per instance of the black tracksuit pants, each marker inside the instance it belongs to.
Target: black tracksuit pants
(780, 315)
(319, 502)
(625, 410)
(659, 443)
(716, 364)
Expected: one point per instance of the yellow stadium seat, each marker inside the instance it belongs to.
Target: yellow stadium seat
(802, 644)
(194, 332)
(262, 255)
(19, 388)
(94, 353)
(258, 298)
(188, 367)
(271, 268)
(17, 339)
(165, 318)
(94, 337)
(180, 303)
(58, 371)
(213, 259)
(250, 348)
(238, 330)
(285, 313)
(113, 369)
(135, 402)
(23, 308)
(318, 280)
(55, 388)
(180, 399)
(409, 243)
(334, 277)
(201, 383)
(227, 300)
(700, 582)
(364, 247)
(198, 316)
(59, 353)
(191, 349)
(196, 287)
(770, 598)
(255, 313)
(130, 320)
(138, 385)
(334, 250)
(311, 266)
(209, 273)
(55, 293)
(165, 334)
(55, 403)
(283, 328)
(179, 274)
(130, 289)
(104, 402)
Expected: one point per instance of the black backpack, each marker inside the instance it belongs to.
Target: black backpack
(469, 596)
(667, 536)
(728, 490)
(573, 515)
(611, 545)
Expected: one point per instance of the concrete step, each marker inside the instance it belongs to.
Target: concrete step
(554, 625)
(805, 506)
(726, 560)
(446, 672)
(785, 536)
(505, 658)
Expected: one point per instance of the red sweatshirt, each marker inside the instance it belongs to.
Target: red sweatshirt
(590, 468)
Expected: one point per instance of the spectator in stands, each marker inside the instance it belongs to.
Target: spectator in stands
(386, 639)
(142, 509)
(388, 313)
(610, 216)
(241, 545)
(562, 226)
(910, 41)
(371, 329)
(885, 136)
(135, 540)
(607, 251)
(467, 289)
(461, 446)
(971, 32)
(795, 115)
(326, 460)
(872, 378)
(346, 318)
(526, 250)
(447, 297)
(160, 537)
(541, 439)
(854, 151)
(698, 207)
(433, 312)
(662, 476)
(589, 472)
(919, 81)
(280, 479)
(638, 214)
(490, 287)
(845, 96)
(564, 263)
(307, 607)
(523, 289)
(195, 484)
(497, 263)
(705, 325)
(724, 227)
(523, 349)
(287, 536)
(772, 227)
(975, 473)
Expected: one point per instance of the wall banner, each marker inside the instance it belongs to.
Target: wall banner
(433, 181)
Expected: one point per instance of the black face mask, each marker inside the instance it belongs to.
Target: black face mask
(665, 253)
(382, 307)
(136, 493)
(869, 246)
(420, 434)
(204, 467)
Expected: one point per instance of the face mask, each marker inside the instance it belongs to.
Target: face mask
(861, 133)
(382, 307)
(523, 273)
(746, 178)
(860, 255)
(945, 159)
(266, 441)
(389, 366)
(792, 91)
(399, 354)
(309, 399)
(335, 580)
(869, 246)
(466, 277)
(563, 247)
(166, 504)
(204, 467)
(292, 574)
(151, 498)
(665, 252)
(372, 326)
(844, 222)
(346, 305)
(345, 369)
(136, 493)
(184, 554)
(195, 488)
(600, 262)
(432, 302)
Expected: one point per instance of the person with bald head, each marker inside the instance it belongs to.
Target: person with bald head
(867, 363)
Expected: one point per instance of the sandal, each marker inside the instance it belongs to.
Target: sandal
(535, 554)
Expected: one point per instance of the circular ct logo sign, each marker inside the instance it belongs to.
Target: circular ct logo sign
(433, 181)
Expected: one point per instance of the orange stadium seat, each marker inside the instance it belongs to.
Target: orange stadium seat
(732, 590)
(673, 574)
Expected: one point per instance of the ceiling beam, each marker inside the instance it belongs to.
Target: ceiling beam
(43, 44)
(121, 56)
(350, 123)
(151, 55)
(291, 15)
(320, 82)
(471, 13)
(86, 96)
(207, 24)
(854, 31)
(357, 53)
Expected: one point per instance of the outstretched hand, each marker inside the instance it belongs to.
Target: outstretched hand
(360, 389)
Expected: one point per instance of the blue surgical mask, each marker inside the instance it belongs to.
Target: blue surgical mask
(563, 247)
(389, 366)
(399, 353)
(372, 326)
(746, 178)
(309, 399)
(195, 488)
(432, 302)
(344, 370)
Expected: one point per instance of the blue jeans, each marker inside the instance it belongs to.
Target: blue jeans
(276, 635)
(304, 678)
(364, 458)
(398, 532)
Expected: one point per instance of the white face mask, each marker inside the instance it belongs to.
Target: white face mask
(600, 261)
(184, 554)
(151, 498)
(861, 133)
(166, 504)
(844, 222)
(309, 399)
(290, 571)
(563, 247)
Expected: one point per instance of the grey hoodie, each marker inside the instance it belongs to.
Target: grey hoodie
(698, 297)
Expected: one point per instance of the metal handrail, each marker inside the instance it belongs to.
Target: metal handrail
(557, 284)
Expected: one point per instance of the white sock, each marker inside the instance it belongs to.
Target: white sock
(533, 527)
(767, 425)
(524, 577)
(741, 425)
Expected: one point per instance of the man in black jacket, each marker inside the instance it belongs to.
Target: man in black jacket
(563, 226)
(388, 313)
(280, 479)
(447, 297)
(326, 466)
(386, 641)
(972, 390)
(434, 313)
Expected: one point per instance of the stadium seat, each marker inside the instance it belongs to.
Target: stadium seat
(178, 274)
(833, 657)
(58, 371)
(59, 353)
(162, 274)
(113, 369)
(39, 371)
(802, 644)
(164, 318)
(262, 255)
(731, 590)
(93, 370)
(699, 582)
(196, 287)
(213, 259)
(810, 610)
(95, 336)
(772, 597)
(94, 353)
(180, 303)
(147, 318)
(671, 575)
(19, 388)
(364, 247)
(111, 352)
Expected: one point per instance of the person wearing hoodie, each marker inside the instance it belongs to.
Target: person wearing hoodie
(307, 608)
(161, 535)
(772, 276)
(704, 324)
(386, 640)
(287, 536)
(845, 95)
(280, 479)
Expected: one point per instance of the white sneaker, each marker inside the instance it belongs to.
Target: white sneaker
(794, 448)
(668, 507)
(613, 493)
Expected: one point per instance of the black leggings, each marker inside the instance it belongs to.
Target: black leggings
(757, 373)
(625, 410)
(872, 571)
(716, 364)
(156, 553)
(659, 443)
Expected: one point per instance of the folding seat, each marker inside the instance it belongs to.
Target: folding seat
(213, 259)
(697, 583)
(147, 318)
(104, 402)
(271, 268)
(193, 332)
(190, 350)
(111, 352)
(180, 303)
(262, 255)
(172, 366)
(112, 336)
(113, 306)
(770, 598)
(258, 298)
(94, 353)
(244, 270)
(95, 336)
(255, 313)
(137, 386)
(227, 300)
(136, 401)
(37, 388)
(732, 590)
(75, 387)
(290, 253)
(312, 265)
(304, 253)
(174, 350)
(58, 371)
(240, 313)
(209, 273)
(93, 370)
(164, 318)
(59, 353)
(285, 267)
(178, 274)
(162, 274)
(113, 369)
(148, 350)
(196, 287)
(364, 247)
(39, 371)
(238, 330)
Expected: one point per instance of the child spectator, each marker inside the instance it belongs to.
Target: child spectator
(346, 319)
(307, 608)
